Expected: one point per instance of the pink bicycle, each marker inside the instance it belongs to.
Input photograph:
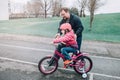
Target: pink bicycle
(82, 64)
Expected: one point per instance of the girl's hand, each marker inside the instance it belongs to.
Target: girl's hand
(57, 35)
(75, 36)
(63, 43)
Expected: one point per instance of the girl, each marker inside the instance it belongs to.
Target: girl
(69, 40)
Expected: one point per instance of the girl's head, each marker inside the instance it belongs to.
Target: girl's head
(65, 28)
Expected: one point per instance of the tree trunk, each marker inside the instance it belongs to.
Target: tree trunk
(84, 14)
(45, 10)
(81, 13)
(91, 20)
(45, 14)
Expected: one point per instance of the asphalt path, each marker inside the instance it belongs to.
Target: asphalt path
(104, 68)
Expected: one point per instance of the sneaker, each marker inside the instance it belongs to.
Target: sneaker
(67, 62)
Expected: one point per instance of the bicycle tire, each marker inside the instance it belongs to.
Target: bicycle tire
(53, 67)
(78, 64)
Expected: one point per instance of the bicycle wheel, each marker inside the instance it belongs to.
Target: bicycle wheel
(83, 64)
(47, 65)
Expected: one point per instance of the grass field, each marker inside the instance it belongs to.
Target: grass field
(106, 27)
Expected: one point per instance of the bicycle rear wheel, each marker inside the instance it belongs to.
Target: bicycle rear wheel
(83, 64)
(47, 65)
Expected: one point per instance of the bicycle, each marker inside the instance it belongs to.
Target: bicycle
(81, 63)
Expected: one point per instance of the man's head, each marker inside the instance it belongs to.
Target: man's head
(64, 12)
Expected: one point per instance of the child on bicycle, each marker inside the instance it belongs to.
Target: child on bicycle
(69, 40)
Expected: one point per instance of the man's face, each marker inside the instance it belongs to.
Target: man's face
(64, 14)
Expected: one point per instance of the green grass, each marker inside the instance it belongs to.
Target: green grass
(106, 27)
(33, 26)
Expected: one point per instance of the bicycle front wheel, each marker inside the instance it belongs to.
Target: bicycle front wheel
(47, 65)
(83, 64)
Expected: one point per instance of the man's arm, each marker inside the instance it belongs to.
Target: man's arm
(79, 26)
(59, 31)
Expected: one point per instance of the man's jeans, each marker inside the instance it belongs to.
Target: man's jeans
(79, 41)
(66, 50)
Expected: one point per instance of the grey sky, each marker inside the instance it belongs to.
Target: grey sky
(111, 6)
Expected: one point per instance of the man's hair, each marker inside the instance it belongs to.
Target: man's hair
(65, 9)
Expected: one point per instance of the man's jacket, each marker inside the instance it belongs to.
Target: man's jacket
(75, 23)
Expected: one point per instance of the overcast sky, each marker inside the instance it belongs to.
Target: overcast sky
(111, 6)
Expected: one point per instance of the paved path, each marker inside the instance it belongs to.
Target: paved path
(105, 68)
(93, 47)
(23, 71)
(13, 52)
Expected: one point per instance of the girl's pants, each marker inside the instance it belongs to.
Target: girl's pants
(66, 50)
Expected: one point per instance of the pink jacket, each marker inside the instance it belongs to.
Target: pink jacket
(68, 38)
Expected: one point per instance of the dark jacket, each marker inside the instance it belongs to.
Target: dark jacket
(75, 23)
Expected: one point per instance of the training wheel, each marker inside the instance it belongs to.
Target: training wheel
(84, 75)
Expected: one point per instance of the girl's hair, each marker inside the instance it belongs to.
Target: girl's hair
(67, 30)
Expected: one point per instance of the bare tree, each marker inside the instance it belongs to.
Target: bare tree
(34, 7)
(56, 6)
(37, 7)
(46, 6)
(82, 5)
(93, 5)
(9, 6)
(29, 8)
(74, 10)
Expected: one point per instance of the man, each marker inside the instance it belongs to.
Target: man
(75, 23)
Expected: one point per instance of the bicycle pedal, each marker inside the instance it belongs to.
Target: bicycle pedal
(70, 66)
(71, 62)
(65, 66)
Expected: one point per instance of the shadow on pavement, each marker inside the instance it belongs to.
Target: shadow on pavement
(19, 71)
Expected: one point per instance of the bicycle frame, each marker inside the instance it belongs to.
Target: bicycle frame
(73, 57)
(78, 63)
(79, 54)
(59, 54)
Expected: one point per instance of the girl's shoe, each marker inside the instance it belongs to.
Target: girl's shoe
(67, 62)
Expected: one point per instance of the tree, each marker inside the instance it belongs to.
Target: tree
(93, 5)
(37, 8)
(82, 5)
(56, 6)
(46, 6)
(34, 7)
(74, 10)
(29, 8)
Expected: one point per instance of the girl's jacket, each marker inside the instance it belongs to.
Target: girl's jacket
(68, 39)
